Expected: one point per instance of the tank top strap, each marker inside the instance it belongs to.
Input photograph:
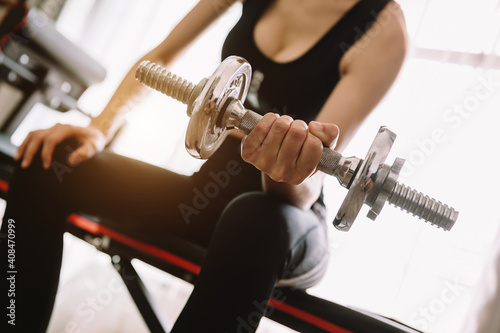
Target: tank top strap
(254, 8)
(354, 24)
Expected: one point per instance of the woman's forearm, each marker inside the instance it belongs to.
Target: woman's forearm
(126, 96)
(129, 92)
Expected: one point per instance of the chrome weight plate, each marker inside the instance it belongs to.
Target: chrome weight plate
(363, 183)
(230, 80)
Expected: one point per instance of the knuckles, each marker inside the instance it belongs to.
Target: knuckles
(298, 131)
(313, 143)
(258, 133)
(282, 124)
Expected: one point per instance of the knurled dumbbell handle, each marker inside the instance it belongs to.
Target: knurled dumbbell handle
(330, 159)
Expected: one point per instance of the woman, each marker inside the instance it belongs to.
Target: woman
(326, 63)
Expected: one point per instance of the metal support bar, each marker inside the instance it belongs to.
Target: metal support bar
(139, 293)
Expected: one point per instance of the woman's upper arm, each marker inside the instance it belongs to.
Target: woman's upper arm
(368, 69)
(203, 14)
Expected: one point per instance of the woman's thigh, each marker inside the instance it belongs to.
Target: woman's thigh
(140, 200)
(145, 201)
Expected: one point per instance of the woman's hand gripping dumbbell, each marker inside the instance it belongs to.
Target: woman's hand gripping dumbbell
(215, 107)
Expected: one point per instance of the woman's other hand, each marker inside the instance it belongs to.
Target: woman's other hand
(91, 140)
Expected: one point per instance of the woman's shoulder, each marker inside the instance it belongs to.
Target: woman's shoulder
(386, 37)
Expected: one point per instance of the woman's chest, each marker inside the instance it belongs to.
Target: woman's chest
(287, 29)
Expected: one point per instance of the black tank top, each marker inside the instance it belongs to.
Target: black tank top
(298, 88)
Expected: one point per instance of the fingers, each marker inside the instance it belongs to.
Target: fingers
(310, 155)
(84, 152)
(328, 133)
(290, 167)
(271, 148)
(262, 146)
(47, 140)
(22, 148)
(50, 142)
(275, 145)
(292, 143)
(288, 150)
(252, 143)
(29, 148)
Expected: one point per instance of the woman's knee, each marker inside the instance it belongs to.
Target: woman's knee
(258, 213)
(36, 182)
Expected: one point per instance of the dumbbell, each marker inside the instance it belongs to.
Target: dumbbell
(215, 107)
